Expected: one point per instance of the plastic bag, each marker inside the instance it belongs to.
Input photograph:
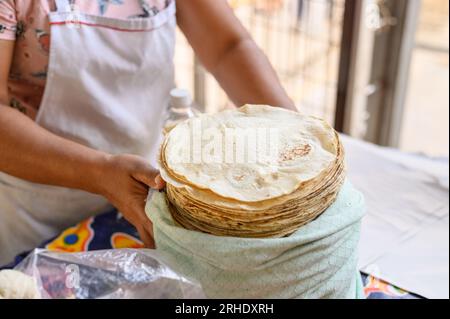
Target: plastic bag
(108, 274)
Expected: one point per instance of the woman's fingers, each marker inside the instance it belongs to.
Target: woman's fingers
(146, 238)
(135, 167)
(131, 176)
(149, 176)
(145, 228)
(147, 224)
(160, 183)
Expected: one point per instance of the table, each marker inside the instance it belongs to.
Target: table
(405, 233)
(407, 191)
(112, 231)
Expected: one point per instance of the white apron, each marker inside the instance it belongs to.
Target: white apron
(108, 88)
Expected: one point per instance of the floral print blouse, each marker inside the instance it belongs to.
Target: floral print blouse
(26, 23)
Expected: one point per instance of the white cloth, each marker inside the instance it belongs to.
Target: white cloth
(405, 234)
(108, 88)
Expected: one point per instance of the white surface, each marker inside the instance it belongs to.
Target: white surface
(405, 234)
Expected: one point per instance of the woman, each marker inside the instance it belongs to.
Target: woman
(86, 142)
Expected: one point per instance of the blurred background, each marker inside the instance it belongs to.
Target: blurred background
(376, 69)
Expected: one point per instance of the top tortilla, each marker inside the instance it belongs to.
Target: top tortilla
(194, 152)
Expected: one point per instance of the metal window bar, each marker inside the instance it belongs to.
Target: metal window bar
(302, 39)
(434, 15)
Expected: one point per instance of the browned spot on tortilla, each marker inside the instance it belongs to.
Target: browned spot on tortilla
(296, 152)
(260, 182)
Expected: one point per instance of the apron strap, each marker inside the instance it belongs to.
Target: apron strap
(63, 6)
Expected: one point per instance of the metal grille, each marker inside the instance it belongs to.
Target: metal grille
(301, 39)
(433, 24)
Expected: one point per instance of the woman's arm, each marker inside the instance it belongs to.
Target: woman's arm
(227, 50)
(30, 152)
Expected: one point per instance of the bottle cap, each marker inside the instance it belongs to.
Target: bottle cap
(180, 98)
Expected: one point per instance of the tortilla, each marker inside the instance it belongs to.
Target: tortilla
(305, 146)
(272, 197)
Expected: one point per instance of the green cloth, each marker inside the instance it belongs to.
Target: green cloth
(318, 261)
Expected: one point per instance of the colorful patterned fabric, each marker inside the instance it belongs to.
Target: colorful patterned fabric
(106, 231)
(378, 289)
(112, 231)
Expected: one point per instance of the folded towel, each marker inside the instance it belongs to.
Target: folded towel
(317, 261)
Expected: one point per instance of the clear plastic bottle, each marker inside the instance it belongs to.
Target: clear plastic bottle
(181, 108)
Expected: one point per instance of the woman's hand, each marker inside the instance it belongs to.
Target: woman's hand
(125, 183)
(30, 152)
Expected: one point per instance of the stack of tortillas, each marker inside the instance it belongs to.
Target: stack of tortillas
(255, 172)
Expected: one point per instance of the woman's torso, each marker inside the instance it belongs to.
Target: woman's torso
(27, 22)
